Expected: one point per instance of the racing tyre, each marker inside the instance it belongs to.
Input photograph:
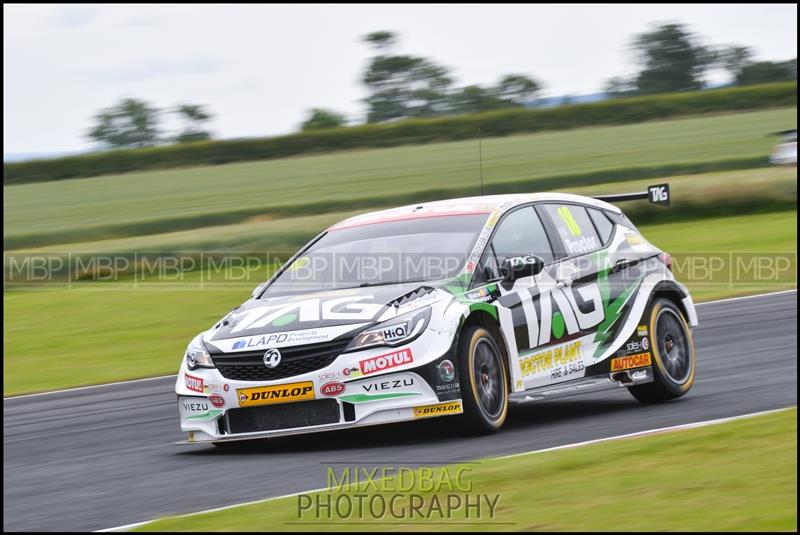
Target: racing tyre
(483, 377)
(674, 357)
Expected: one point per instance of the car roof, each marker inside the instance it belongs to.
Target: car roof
(486, 204)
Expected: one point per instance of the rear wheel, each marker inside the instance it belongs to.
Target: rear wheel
(483, 378)
(674, 357)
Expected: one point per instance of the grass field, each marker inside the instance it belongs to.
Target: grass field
(768, 185)
(94, 333)
(733, 476)
(151, 202)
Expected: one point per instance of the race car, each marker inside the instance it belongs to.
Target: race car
(785, 152)
(453, 308)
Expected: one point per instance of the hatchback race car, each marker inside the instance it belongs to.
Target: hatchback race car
(785, 152)
(458, 307)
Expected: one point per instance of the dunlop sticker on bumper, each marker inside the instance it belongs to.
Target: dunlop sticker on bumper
(631, 361)
(440, 409)
(266, 395)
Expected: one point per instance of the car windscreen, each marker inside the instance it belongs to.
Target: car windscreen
(393, 252)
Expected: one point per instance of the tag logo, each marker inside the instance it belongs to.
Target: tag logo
(659, 194)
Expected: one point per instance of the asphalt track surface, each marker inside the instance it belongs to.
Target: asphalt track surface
(103, 457)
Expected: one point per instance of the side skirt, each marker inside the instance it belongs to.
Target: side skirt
(584, 385)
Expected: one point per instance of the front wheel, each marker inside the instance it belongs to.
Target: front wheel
(673, 355)
(483, 378)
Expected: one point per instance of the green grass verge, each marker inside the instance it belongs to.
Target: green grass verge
(733, 476)
(94, 333)
(152, 202)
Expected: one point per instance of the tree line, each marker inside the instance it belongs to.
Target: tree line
(669, 58)
(136, 123)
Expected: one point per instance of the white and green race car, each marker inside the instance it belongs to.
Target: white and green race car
(459, 307)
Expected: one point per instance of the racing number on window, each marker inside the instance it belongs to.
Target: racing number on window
(572, 225)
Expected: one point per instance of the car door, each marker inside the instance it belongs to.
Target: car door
(520, 233)
(571, 302)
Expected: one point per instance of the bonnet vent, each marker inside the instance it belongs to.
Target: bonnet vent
(410, 296)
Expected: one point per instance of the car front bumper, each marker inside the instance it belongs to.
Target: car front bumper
(421, 382)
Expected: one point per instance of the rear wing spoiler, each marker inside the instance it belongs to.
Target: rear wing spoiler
(657, 194)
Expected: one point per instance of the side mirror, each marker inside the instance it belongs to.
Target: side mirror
(257, 290)
(518, 267)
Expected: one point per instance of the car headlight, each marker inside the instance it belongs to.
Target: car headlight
(394, 332)
(197, 355)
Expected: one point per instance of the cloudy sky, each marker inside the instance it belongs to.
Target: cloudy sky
(259, 68)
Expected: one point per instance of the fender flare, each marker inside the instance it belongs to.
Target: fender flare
(682, 298)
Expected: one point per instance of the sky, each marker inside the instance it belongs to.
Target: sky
(260, 68)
